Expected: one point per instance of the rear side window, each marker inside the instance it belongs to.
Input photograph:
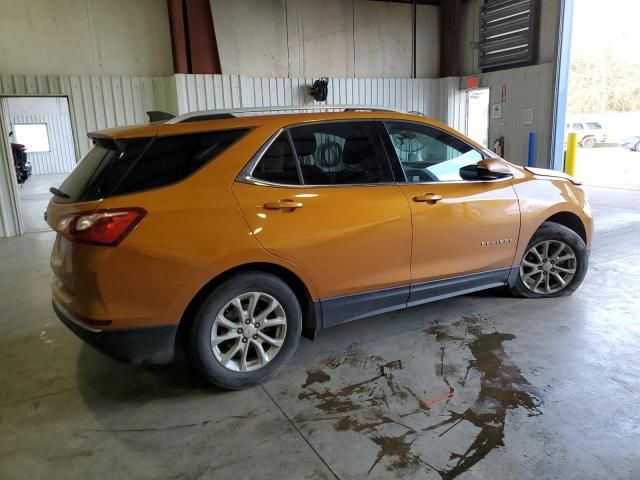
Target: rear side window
(114, 167)
(278, 165)
(340, 153)
(170, 159)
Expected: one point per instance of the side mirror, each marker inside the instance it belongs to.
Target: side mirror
(487, 169)
(494, 165)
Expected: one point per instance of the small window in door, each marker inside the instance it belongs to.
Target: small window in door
(341, 153)
(278, 165)
(428, 154)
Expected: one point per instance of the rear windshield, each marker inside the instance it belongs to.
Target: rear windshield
(117, 167)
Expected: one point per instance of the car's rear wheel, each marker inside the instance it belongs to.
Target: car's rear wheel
(554, 264)
(245, 330)
(588, 142)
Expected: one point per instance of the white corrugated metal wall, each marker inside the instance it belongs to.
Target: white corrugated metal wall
(437, 98)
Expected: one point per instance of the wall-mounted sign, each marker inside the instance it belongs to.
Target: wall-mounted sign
(496, 110)
(527, 116)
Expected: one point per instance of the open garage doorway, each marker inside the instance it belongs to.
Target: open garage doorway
(603, 107)
(43, 152)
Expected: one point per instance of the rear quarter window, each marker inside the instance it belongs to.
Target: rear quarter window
(170, 159)
(114, 167)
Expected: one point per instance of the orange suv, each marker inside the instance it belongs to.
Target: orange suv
(230, 235)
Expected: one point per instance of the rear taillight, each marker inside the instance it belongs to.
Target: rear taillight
(100, 227)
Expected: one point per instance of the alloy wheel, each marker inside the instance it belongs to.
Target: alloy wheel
(248, 332)
(548, 267)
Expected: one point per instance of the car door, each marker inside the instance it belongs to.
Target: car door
(465, 232)
(322, 196)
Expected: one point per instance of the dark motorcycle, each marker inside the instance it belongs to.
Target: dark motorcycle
(20, 162)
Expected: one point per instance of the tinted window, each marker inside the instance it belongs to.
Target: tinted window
(430, 155)
(115, 167)
(278, 165)
(170, 159)
(339, 153)
(594, 125)
(86, 179)
(577, 126)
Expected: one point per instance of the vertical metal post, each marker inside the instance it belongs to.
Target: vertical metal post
(415, 40)
(570, 160)
(563, 58)
(531, 160)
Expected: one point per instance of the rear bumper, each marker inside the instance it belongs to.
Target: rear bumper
(149, 345)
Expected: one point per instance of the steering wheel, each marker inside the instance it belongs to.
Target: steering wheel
(407, 141)
(329, 154)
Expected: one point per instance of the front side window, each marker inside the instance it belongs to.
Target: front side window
(428, 154)
(340, 153)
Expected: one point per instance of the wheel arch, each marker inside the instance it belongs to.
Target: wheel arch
(311, 314)
(571, 221)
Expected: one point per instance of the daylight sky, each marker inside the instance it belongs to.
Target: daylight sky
(601, 23)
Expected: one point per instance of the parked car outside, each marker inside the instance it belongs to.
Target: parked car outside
(588, 133)
(228, 236)
(632, 143)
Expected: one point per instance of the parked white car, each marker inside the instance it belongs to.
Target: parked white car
(588, 133)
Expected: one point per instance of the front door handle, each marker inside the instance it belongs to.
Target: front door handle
(429, 198)
(282, 205)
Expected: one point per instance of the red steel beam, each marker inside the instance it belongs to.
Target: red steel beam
(450, 38)
(193, 38)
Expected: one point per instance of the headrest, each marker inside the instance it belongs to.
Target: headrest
(356, 150)
(305, 142)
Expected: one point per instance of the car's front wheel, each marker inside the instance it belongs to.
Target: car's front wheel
(245, 330)
(554, 264)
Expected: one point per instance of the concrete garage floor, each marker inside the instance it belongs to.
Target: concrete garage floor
(543, 389)
(34, 198)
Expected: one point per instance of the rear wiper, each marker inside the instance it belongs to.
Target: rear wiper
(59, 193)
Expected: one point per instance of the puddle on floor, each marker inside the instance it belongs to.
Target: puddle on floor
(406, 428)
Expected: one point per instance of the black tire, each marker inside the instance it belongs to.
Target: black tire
(637, 147)
(588, 142)
(555, 231)
(201, 350)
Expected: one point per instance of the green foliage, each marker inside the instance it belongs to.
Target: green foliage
(603, 83)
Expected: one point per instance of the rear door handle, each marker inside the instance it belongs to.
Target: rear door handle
(282, 205)
(429, 198)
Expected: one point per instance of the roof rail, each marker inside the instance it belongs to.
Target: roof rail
(222, 114)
